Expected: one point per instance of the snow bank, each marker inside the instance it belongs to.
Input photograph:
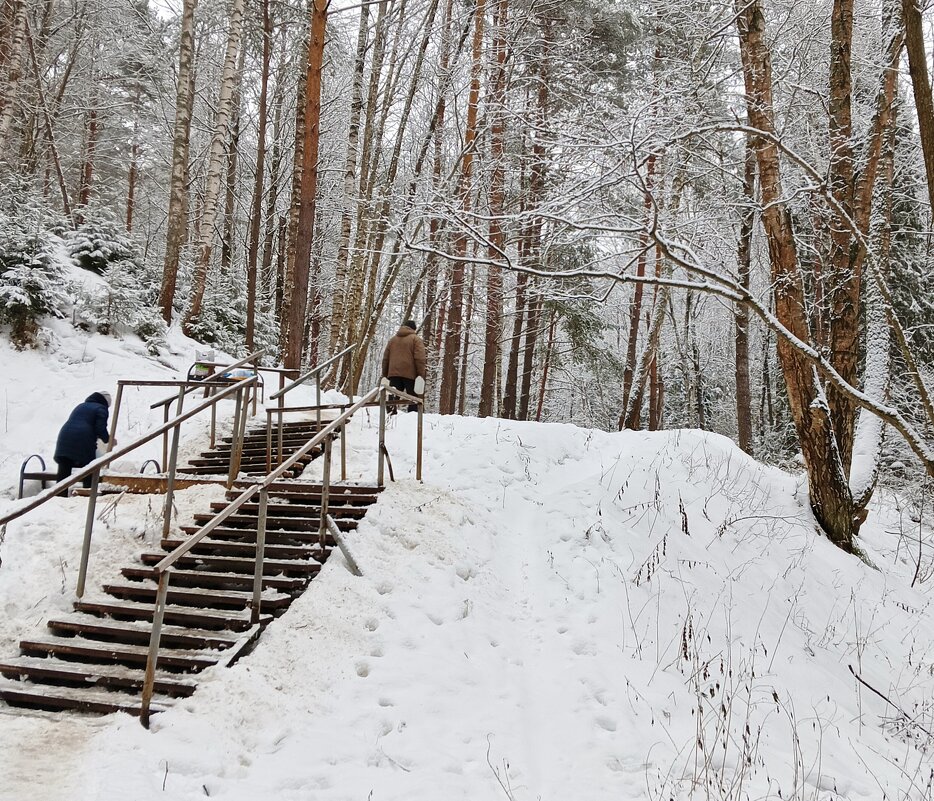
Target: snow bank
(555, 613)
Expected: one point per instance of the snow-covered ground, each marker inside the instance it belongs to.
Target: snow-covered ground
(554, 613)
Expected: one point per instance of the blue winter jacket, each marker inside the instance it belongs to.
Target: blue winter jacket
(77, 441)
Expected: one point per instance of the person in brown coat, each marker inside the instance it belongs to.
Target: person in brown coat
(404, 360)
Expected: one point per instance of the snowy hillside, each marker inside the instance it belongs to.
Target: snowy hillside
(555, 613)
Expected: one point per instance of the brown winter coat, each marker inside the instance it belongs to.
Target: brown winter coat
(405, 355)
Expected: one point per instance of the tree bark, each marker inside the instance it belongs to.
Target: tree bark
(256, 208)
(296, 300)
(494, 295)
(176, 222)
(741, 313)
(921, 86)
(212, 181)
(454, 317)
(14, 74)
(830, 496)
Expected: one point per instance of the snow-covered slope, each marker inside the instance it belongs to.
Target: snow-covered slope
(554, 613)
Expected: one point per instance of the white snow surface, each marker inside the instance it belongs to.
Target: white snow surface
(553, 613)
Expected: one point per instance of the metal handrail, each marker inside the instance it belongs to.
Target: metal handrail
(93, 470)
(218, 374)
(164, 567)
(280, 408)
(311, 373)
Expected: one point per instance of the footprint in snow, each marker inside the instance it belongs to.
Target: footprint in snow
(363, 670)
(605, 723)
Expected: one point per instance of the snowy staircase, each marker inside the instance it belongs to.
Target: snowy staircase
(94, 659)
(253, 460)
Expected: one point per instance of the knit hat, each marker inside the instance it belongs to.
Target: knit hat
(409, 324)
(106, 397)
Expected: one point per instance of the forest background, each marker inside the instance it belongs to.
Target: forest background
(620, 214)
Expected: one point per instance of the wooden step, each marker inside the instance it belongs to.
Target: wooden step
(278, 523)
(235, 564)
(219, 580)
(299, 539)
(107, 653)
(338, 495)
(119, 677)
(294, 510)
(244, 548)
(94, 699)
(183, 596)
(95, 628)
(212, 460)
(249, 471)
(174, 615)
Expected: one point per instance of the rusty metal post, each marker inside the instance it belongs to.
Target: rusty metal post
(418, 444)
(280, 458)
(165, 436)
(116, 416)
(344, 451)
(88, 530)
(318, 400)
(260, 555)
(269, 440)
(172, 466)
(236, 438)
(213, 391)
(325, 493)
(381, 458)
(149, 680)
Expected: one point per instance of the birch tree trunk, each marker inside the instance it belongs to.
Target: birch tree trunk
(176, 221)
(13, 75)
(212, 181)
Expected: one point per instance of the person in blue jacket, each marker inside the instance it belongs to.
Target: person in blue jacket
(77, 441)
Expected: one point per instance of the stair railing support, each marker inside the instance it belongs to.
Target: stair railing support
(381, 458)
(318, 399)
(255, 606)
(238, 433)
(88, 530)
(344, 452)
(115, 417)
(325, 493)
(158, 614)
(418, 443)
(172, 466)
(268, 440)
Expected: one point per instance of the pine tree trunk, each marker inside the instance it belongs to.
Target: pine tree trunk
(741, 313)
(635, 307)
(830, 496)
(494, 296)
(528, 356)
(452, 337)
(87, 168)
(176, 222)
(212, 181)
(296, 300)
(256, 208)
(921, 86)
(546, 364)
